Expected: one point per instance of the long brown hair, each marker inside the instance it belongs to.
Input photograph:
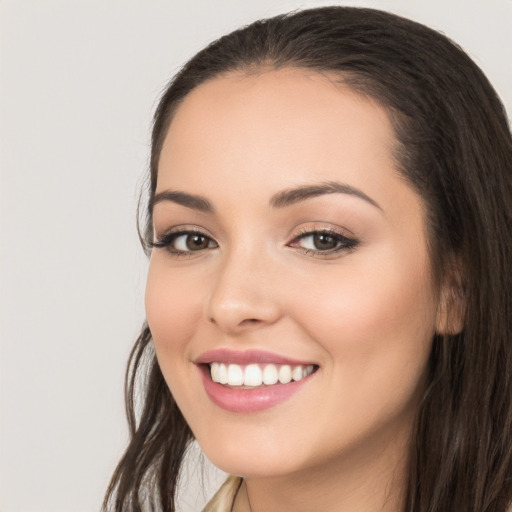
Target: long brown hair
(456, 152)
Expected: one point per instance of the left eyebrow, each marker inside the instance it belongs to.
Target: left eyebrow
(294, 195)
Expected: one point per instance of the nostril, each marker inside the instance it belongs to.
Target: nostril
(246, 321)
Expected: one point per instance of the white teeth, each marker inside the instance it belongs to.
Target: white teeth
(214, 370)
(252, 375)
(285, 374)
(223, 374)
(270, 375)
(297, 373)
(235, 375)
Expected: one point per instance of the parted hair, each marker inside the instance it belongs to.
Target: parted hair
(454, 148)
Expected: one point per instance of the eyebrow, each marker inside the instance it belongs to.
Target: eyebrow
(295, 195)
(282, 199)
(184, 199)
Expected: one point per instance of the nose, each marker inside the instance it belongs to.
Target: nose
(244, 295)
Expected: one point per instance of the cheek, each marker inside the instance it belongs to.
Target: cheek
(376, 332)
(384, 295)
(173, 309)
(375, 324)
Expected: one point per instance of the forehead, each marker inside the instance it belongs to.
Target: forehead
(275, 107)
(278, 129)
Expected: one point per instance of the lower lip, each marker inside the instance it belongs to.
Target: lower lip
(249, 400)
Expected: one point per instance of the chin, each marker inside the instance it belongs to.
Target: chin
(244, 467)
(259, 458)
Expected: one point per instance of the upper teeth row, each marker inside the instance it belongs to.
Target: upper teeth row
(254, 375)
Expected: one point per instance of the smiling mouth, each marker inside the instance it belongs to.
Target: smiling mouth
(251, 381)
(255, 375)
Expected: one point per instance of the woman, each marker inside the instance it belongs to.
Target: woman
(328, 300)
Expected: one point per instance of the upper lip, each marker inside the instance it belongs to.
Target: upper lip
(244, 357)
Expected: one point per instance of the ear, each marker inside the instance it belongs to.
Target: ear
(451, 310)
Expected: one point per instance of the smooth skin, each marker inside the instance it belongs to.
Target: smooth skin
(256, 277)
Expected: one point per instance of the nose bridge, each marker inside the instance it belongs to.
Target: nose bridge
(241, 294)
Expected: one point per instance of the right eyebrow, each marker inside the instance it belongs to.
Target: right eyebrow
(189, 200)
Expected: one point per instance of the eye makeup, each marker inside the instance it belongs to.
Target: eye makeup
(323, 242)
(182, 242)
(316, 242)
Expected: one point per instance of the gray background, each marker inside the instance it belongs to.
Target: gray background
(78, 84)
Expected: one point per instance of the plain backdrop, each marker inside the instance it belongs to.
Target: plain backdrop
(79, 80)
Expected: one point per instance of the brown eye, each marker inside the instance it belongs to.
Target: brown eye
(196, 242)
(185, 242)
(324, 242)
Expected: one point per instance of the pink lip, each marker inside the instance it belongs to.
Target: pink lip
(226, 356)
(247, 400)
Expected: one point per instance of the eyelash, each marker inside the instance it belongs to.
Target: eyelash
(167, 240)
(343, 243)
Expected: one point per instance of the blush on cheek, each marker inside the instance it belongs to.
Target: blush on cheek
(362, 313)
(171, 319)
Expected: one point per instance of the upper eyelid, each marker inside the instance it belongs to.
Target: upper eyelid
(297, 232)
(320, 227)
(182, 229)
(346, 244)
(330, 232)
(167, 238)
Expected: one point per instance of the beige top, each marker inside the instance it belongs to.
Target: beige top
(225, 496)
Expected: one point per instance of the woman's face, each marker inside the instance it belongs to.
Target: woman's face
(288, 246)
